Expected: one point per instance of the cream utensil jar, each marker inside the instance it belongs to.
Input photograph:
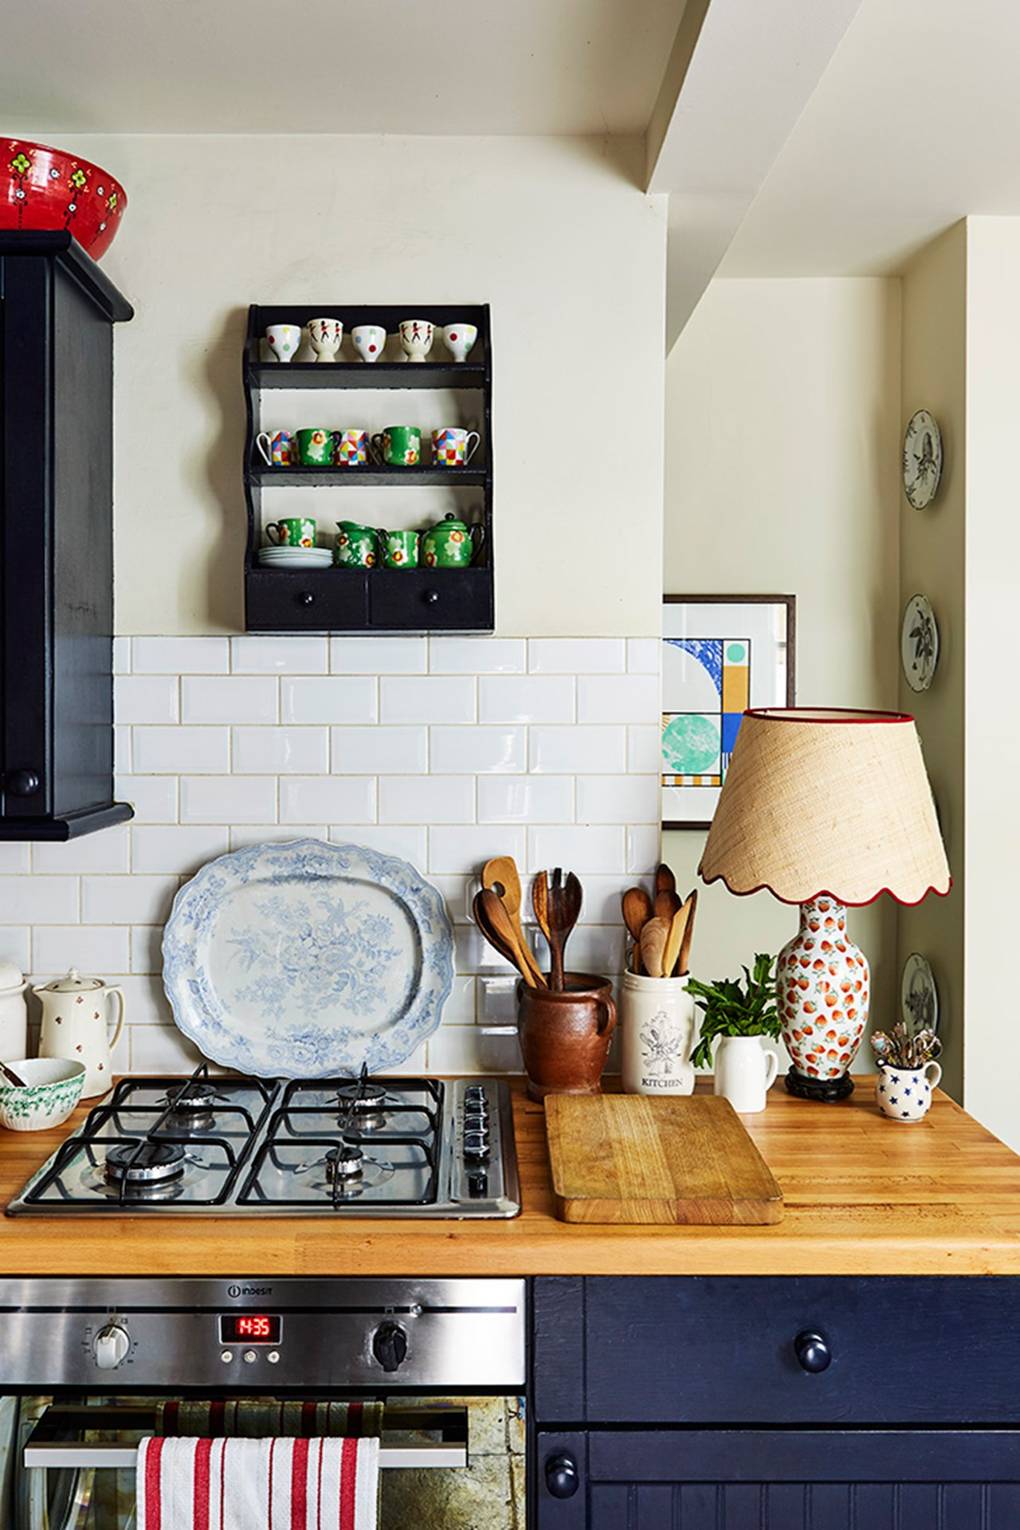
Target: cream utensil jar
(657, 1026)
(13, 1013)
(76, 1018)
(744, 1072)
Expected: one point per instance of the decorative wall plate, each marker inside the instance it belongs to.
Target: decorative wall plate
(922, 459)
(302, 959)
(919, 643)
(919, 995)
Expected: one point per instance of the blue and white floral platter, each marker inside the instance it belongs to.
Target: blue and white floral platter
(304, 959)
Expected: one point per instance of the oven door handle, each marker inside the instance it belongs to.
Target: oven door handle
(44, 1448)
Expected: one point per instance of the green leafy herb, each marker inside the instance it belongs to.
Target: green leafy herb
(733, 1008)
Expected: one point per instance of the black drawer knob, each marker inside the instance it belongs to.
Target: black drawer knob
(431, 597)
(812, 1351)
(561, 1476)
(306, 597)
(23, 783)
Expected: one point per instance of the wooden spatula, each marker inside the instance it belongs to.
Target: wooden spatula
(653, 945)
(502, 877)
(683, 961)
(674, 940)
(494, 922)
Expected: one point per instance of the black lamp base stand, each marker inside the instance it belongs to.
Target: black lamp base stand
(827, 1089)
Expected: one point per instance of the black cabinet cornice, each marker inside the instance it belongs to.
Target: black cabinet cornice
(57, 311)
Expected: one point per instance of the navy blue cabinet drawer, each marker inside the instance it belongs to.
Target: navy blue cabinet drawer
(785, 1350)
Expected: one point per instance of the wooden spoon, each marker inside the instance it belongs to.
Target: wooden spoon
(665, 881)
(674, 940)
(566, 910)
(637, 910)
(540, 906)
(683, 962)
(494, 922)
(12, 1077)
(552, 902)
(502, 877)
(653, 945)
(667, 904)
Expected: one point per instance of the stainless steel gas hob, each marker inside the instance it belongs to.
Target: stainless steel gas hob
(236, 1146)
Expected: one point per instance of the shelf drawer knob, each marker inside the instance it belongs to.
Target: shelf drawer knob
(561, 1476)
(431, 597)
(812, 1351)
(306, 598)
(23, 783)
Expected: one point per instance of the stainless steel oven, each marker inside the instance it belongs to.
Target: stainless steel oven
(86, 1364)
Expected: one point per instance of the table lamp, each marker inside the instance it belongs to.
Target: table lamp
(825, 808)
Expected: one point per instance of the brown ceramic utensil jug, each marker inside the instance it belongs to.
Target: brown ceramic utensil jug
(565, 1034)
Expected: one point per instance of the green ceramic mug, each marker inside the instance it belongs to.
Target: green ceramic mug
(399, 548)
(315, 446)
(295, 531)
(356, 546)
(399, 445)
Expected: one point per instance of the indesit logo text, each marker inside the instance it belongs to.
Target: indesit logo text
(249, 1290)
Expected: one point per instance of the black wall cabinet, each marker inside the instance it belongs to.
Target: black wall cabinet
(57, 312)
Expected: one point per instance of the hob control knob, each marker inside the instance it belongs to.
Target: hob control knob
(110, 1346)
(476, 1145)
(812, 1351)
(389, 1346)
(561, 1476)
(478, 1182)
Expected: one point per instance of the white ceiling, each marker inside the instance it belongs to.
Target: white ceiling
(333, 66)
(913, 125)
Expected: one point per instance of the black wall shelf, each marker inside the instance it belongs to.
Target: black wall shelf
(367, 600)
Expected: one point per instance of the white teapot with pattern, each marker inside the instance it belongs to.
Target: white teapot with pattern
(76, 1017)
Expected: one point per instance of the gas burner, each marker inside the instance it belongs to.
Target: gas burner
(344, 1164)
(191, 1107)
(362, 1106)
(144, 1166)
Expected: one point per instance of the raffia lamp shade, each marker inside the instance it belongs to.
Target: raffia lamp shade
(826, 801)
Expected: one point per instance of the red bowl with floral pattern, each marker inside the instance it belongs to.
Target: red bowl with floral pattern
(44, 188)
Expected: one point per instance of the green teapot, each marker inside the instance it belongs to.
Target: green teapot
(451, 543)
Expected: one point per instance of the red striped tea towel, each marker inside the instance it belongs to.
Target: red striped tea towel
(257, 1418)
(240, 1484)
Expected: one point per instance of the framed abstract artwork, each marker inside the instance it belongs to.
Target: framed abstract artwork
(720, 655)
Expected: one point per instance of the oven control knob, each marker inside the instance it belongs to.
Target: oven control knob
(389, 1346)
(110, 1346)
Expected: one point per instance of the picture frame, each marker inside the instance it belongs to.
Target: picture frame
(720, 655)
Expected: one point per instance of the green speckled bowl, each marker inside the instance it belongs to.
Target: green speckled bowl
(52, 1089)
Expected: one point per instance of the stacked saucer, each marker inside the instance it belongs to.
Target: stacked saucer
(295, 557)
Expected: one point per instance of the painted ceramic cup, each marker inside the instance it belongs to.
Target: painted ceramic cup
(315, 446)
(904, 1094)
(353, 448)
(458, 339)
(325, 336)
(369, 341)
(451, 543)
(356, 546)
(453, 447)
(416, 337)
(277, 450)
(295, 531)
(399, 445)
(399, 549)
(284, 340)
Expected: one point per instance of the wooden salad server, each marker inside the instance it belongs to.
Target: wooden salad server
(502, 877)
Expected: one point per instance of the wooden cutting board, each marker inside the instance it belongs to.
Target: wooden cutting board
(628, 1158)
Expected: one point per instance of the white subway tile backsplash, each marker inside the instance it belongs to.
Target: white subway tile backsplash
(16, 946)
(576, 656)
(427, 699)
(643, 847)
(127, 900)
(95, 950)
(108, 851)
(460, 847)
(478, 749)
(228, 699)
(644, 747)
(162, 1049)
(573, 750)
(177, 751)
(379, 751)
(378, 656)
(409, 841)
(176, 848)
(525, 799)
(154, 798)
(617, 698)
(427, 799)
(122, 656)
(457, 893)
(15, 855)
(245, 834)
(470, 1049)
(643, 655)
(582, 848)
(348, 799)
(228, 799)
(329, 699)
(145, 698)
(145, 1003)
(526, 698)
(146, 947)
(618, 799)
(459, 1008)
(271, 656)
(122, 751)
(280, 751)
(38, 900)
(180, 655)
(477, 656)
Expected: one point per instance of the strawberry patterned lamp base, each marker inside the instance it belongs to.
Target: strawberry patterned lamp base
(823, 984)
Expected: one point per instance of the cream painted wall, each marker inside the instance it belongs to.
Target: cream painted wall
(782, 410)
(932, 560)
(552, 232)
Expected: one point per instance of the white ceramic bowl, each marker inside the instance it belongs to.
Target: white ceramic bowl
(52, 1089)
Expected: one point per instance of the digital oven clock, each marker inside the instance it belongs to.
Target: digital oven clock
(250, 1327)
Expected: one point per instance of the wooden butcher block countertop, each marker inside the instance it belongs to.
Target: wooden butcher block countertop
(863, 1196)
